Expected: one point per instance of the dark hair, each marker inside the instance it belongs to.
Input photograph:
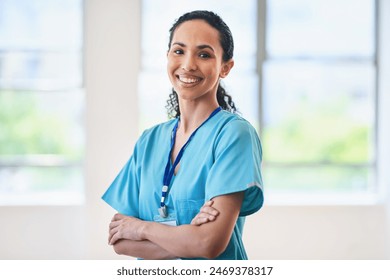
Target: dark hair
(226, 40)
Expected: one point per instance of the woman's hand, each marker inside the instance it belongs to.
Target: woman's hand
(125, 227)
(206, 214)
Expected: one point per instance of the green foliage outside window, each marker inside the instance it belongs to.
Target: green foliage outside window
(318, 133)
(27, 129)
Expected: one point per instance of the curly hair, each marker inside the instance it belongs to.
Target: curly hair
(226, 41)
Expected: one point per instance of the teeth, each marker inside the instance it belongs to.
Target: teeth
(189, 80)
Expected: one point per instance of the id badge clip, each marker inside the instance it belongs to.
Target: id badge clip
(169, 220)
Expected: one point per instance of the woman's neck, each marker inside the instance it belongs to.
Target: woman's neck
(192, 114)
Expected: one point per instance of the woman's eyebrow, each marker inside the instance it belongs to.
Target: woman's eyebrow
(179, 43)
(200, 47)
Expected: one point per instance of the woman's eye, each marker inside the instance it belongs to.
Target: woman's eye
(178, 51)
(204, 55)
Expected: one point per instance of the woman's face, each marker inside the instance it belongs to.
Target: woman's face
(195, 61)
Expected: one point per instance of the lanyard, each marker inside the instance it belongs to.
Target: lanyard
(169, 170)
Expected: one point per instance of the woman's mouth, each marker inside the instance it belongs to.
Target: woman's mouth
(188, 79)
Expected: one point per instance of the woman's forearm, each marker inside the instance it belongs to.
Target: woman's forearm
(185, 241)
(207, 240)
(189, 241)
(142, 249)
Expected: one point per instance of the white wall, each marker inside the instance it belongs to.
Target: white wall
(384, 112)
(80, 232)
(317, 232)
(35, 232)
(112, 64)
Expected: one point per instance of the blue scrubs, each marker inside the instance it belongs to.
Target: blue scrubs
(223, 157)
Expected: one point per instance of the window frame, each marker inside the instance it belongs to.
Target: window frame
(379, 190)
(52, 197)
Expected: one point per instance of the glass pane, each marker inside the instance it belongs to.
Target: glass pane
(41, 24)
(40, 70)
(317, 179)
(243, 87)
(37, 185)
(320, 28)
(41, 101)
(42, 123)
(318, 112)
(152, 98)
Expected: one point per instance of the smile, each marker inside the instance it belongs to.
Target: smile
(188, 80)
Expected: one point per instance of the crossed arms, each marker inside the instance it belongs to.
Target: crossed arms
(207, 236)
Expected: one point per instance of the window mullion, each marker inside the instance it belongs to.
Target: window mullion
(261, 55)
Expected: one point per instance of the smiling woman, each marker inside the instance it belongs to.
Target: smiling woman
(202, 203)
(203, 65)
(195, 69)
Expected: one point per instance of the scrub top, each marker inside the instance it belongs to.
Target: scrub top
(223, 157)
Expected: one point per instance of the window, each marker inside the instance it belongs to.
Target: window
(319, 95)
(41, 102)
(305, 75)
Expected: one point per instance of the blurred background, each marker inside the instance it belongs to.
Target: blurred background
(80, 81)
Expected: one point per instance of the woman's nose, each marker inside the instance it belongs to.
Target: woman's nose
(189, 63)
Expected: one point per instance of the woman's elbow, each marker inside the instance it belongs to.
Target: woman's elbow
(212, 254)
(118, 248)
(212, 248)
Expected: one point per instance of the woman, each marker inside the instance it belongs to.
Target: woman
(206, 155)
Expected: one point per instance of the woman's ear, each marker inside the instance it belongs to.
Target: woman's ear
(226, 67)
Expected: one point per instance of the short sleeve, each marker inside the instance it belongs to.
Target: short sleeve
(123, 193)
(237, 164)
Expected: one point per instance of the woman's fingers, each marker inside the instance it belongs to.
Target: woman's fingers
(113, 228)
(111, 233)
(208, 209)
(202, 219)
(206, 214)
(117, 217)
(208, 203)
(114, 238)
(199, 221)
(113, 224)
(124, 227)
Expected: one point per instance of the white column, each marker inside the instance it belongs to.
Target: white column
(384, 110)
(112, 61)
